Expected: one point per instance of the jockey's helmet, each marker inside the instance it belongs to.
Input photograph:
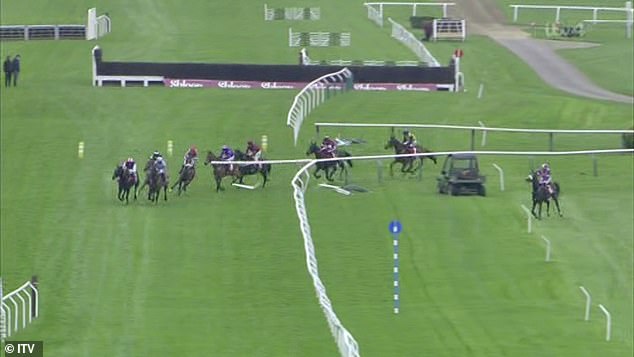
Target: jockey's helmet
(130, 160)
(406, 132)
(193, 148)
(545, 166)
(326, 137)
(225, 147)
(250, 143)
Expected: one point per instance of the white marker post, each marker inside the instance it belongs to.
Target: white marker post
(588, 302)
(501, 172)
(547, 248)
(481, 91)
(80, 150)
(170, 148)
(608, 322)
(265, 142)
(530, 218)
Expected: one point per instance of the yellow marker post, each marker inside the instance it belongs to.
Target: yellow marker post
(265, 142)
(80, 150)
(170, 147)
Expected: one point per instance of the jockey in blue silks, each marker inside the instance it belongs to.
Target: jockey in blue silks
(161, 166)
(227, 155)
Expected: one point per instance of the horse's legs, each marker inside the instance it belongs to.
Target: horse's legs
(533, 210)
(316, 171)
(136, 187)
(392, 168)
(548, 207)
(218, 187)
(165, 192)
(557, 205)
(264, 177)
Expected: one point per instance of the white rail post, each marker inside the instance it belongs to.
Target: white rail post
(515, 11)
(608, 322)
(558, 13)
(547, 248)
(630, 19)
(530, 218)
(501, 172)
(585, 292)
(484, 132)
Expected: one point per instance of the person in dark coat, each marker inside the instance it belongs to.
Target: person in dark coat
(16, 69)
(7, 67)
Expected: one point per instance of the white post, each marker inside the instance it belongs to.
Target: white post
(515, 11)
(414, 9)
(558, 12)
(484, 132)
(481, 91)
(444, 10)
(585, 292)
(595, 14)
(530, 217)
(547, 248)
(608, 322)
(501, 177)
(91, 24)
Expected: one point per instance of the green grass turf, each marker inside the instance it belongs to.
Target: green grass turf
(224, 274)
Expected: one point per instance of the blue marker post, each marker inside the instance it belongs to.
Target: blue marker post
(395, 228)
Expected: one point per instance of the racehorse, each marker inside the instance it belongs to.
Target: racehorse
(185, 178)
(329, 167)
(126, 182)
(407, 162)
(245, 170)
(155, 182)
(222, 170)
(541, 194)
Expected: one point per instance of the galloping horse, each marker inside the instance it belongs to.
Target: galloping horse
(185, 178)
(541, 194)
(245, 170)
(126, 182)
(222, 170)
(155, 182)
(407, 162)
(329, 167)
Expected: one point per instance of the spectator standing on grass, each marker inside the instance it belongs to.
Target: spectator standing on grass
(7, 67)
(15, 67)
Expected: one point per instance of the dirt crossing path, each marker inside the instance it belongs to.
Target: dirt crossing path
(485, 18)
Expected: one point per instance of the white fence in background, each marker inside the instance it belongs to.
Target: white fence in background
(408, 39)
(375, 9)
(627, 9)
(315, 93)
(18, 308)
(551, 132)
(449, 29)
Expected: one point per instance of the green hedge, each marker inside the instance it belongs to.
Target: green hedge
(418, 22)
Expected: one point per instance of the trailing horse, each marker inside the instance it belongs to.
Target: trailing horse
(126, 181)
(329, 167)
(541, 194)
(252, 169)
(222, 170)
(407, 162)
(185, 177)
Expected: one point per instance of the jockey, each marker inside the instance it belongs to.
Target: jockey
(254, 152)
(328, 146)
(161, 166)
(409, 140)
(190, 158)
(155, 155)
(130, 165)
(545, 178)
(227, 155)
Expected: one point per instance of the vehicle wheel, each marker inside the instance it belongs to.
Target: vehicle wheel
(454, 189)
(482, 191)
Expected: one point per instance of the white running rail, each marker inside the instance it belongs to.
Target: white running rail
(19, 307)
(408, 39)
(315, 93)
